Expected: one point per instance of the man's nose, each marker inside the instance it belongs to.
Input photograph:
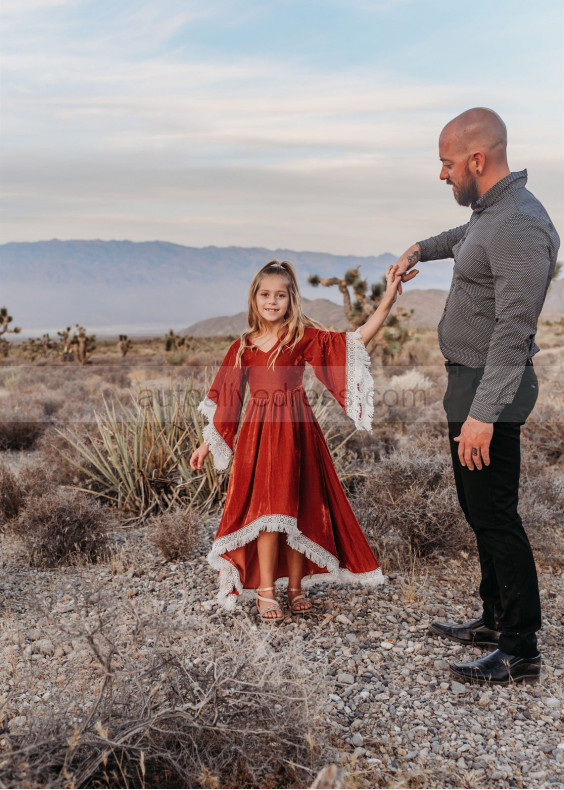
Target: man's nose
(443, 175)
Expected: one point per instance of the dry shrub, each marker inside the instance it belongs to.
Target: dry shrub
(545, 429)
(12, 496)
(21, 425)
(227, 708)
(62, 528)
(408, 505)
(541, 497)
(176, 532)
(16, 488)
(56, 452)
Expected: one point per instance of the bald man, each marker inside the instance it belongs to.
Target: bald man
(504, 258)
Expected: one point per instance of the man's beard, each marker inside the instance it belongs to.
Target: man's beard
(467, 192)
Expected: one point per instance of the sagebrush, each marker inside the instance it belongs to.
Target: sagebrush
(176, 532)
(205, 716)
(62, 527)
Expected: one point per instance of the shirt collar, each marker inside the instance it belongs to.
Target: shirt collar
(493, 195)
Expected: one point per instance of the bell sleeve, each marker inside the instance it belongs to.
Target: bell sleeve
(340, 361)
(222, 408)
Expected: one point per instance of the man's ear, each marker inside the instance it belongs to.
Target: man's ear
(477, 163)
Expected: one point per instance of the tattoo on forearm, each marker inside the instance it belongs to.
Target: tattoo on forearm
(413, 258)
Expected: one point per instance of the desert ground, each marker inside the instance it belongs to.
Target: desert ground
(120, 669)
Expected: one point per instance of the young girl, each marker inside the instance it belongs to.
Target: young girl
(286, 514)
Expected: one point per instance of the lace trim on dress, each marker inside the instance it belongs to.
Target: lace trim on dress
(220, 450)
(230, 580)
(359, 398)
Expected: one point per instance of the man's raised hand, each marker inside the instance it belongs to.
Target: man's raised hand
(406, 262)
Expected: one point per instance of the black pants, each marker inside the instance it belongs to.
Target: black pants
(489, 499)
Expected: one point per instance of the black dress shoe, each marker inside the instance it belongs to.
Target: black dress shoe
(498, 667)
(474, 633)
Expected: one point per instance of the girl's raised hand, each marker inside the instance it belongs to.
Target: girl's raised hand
(199, 456)
(393, 280)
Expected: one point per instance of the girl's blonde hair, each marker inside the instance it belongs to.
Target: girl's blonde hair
(295, 320)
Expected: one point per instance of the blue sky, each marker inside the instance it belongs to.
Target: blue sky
(305, 125)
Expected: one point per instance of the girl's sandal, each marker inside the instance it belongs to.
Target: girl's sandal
(273, 608)
(297, 599)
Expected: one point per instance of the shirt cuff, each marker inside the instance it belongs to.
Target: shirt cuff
(485, 412)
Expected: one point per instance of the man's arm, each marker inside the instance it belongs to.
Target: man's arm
(431, 249)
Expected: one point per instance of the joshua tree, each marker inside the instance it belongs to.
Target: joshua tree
(5, 321)
(174, 342)
(79, 345)
(82, 345)
(395, 331)
(124, 345)
(40, 346)
(65, 336)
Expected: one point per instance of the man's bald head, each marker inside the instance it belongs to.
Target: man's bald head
(478, 129)
(473, 152)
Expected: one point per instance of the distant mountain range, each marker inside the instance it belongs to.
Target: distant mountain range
(427, 308)
(148, 287)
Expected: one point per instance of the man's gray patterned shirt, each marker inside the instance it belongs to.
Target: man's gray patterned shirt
(504, 259)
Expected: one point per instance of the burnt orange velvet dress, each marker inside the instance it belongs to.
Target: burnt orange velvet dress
(282, 478)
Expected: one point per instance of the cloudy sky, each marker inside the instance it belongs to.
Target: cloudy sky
(306, 124)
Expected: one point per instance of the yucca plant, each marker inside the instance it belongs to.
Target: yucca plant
(138, 456)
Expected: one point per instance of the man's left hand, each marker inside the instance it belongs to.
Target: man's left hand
(474, 443)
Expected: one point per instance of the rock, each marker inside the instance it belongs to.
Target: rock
(357, 739)
(345, 677)
(343, 619)
(552, 702)
(484, 700)
(458, 688)
(44, 647)
(17, 722)
(331, 776)
(387, 645)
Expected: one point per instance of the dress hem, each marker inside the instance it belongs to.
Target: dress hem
(229, 577)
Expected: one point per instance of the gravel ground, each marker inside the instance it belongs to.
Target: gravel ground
(391, 714)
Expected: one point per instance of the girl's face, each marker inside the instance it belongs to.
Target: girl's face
(272, 298)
